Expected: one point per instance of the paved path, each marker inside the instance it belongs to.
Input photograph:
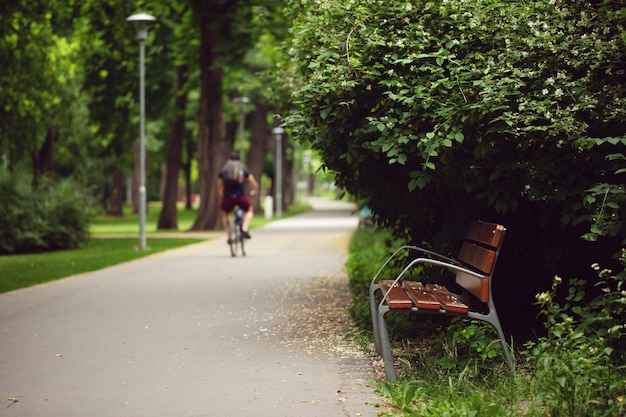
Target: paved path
(191, 332)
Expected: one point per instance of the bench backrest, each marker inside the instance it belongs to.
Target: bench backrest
(479, 252)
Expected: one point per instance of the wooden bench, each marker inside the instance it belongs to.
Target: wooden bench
(474, 268)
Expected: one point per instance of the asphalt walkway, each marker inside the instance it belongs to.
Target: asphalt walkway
(195, 332)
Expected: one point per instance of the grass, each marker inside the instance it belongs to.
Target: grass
(19, 271)
(129, 223)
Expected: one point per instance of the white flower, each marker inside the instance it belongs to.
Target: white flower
(543, 297)
(545, 91)
(558, 92)
(558, 279)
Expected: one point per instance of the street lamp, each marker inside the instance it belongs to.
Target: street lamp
(242, 114)
(279, 132)
(141, 23)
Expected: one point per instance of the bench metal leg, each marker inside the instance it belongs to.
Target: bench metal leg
(374, 312)
(385, 346)
(492, 318)
(505, 346)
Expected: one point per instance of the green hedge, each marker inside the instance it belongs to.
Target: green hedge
(49, 216)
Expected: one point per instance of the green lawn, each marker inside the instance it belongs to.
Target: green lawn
(129, 223)
(18, 271)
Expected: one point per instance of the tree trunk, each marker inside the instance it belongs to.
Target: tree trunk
(168, 218)
(43, 159)
(117, 195)
(259, 139)
(210, 123)
(187, 170)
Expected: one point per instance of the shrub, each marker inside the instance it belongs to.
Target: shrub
(50, 216)
(579, 364)
(466, 343)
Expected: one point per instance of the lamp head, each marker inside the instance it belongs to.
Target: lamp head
(141, 21)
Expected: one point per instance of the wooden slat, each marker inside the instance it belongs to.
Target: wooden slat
(397, 298)
(485, 233)
(420, 297)
(447, 300)
(480, 258)
(477, 286)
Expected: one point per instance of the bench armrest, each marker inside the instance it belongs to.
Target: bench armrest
(411, 248)
(453, 265)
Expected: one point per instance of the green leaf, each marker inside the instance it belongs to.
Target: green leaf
(325, 111)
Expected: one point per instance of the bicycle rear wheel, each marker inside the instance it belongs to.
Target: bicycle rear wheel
(242, 241)
(232, 238)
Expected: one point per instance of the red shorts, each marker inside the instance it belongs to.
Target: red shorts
(228, 203)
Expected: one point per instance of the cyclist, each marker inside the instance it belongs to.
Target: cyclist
(231, 188)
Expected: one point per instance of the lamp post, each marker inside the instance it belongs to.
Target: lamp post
(141, 23)
(279, 132)
(242, 114)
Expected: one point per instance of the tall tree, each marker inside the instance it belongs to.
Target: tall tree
(213, 20)
(225, 36)
(168, 217)
(181, 51)
(259, 141)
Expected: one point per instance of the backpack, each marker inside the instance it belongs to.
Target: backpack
(233, 173)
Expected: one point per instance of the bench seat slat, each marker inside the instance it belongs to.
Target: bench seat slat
(447, 300)
(420, 296)
(397, 298)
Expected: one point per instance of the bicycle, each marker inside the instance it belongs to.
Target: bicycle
(236, 240)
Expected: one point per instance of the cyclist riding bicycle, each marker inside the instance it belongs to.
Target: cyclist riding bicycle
(231, 188)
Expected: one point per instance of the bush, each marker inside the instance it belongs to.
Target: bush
(50, 216)
(579, 364)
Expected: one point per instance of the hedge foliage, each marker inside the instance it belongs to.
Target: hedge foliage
(437, 112)
(41, 218)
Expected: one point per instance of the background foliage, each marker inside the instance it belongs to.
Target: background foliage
(41, 218)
